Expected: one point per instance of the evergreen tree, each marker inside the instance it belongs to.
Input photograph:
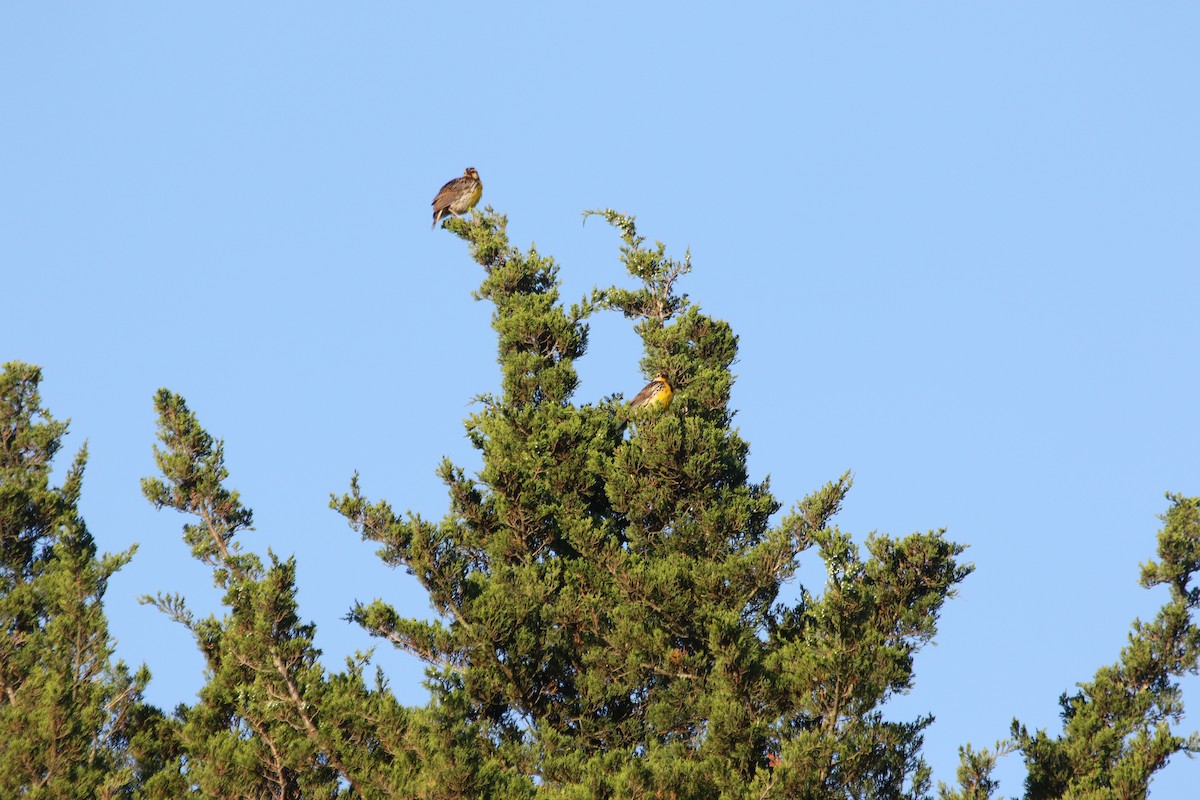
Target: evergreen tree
(610, 614)
(253, 732)
(67, 711)
(608, 585)
(271, 722)
(1117, 729)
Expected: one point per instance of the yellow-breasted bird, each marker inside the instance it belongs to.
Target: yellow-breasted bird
(458, 196)
(658, 393)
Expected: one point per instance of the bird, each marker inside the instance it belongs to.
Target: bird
(458, 196)
(658, 393)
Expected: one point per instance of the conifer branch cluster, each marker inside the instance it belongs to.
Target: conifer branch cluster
(615, 598)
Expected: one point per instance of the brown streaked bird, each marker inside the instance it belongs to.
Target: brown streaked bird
(458, 196)
(658, 393)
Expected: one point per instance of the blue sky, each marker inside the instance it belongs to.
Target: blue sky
(958, 241)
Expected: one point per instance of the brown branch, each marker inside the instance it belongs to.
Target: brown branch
(279, 766)
(313, 734)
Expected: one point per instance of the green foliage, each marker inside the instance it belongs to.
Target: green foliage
(608, 595)
(611, 619)
(271, 721)
(974, 773)
(1117, 729)
(253, 732)
(67, 711)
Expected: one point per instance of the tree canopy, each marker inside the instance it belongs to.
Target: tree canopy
(611, 617)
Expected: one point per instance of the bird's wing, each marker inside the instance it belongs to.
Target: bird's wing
(450, 191)
(645, 395)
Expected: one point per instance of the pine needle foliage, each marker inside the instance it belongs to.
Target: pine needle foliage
(1119, 728)
(68, 711)
(252, 734)
(616, 607)
(607, 587)
(271, 721)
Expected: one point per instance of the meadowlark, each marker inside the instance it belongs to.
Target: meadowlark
(458, 196)
(658, 393)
